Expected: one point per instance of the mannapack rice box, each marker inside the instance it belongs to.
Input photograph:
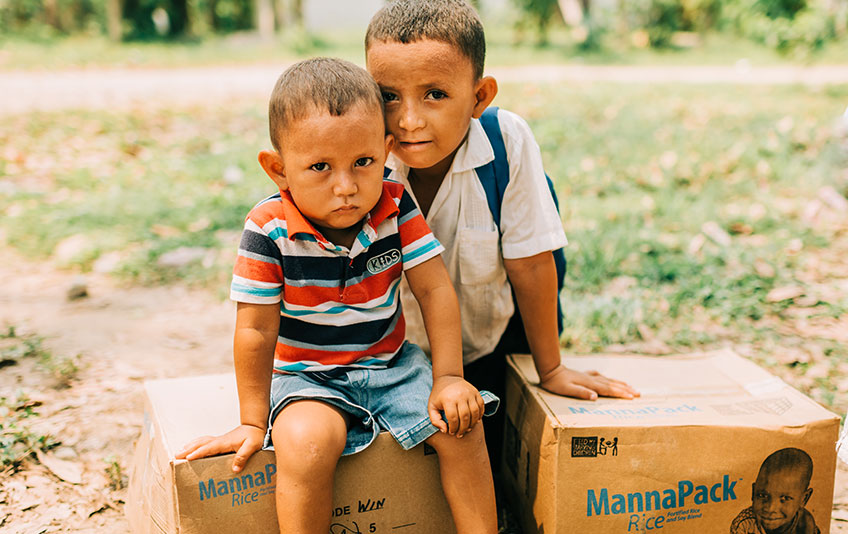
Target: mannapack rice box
(382, 490)
(681, 459)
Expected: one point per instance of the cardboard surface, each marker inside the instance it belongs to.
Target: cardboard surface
(384, 489)
(680, 459)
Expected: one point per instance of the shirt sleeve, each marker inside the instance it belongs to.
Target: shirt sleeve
(530, 222)
(258, 271)
(417, 241)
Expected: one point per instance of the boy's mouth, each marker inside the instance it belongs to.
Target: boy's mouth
(414, 145)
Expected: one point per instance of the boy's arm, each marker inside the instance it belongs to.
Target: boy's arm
(257, 328)
(460, 401)
(534, 281)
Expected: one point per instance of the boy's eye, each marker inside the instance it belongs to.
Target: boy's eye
(388, 97)
(319, 167)
(436, 94)
(364, 162)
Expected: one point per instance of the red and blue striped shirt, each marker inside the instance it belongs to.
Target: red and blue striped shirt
(338, 306)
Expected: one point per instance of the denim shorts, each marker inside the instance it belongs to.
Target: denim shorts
(393, 398)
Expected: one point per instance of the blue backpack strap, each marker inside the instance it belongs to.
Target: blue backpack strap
(494, 176)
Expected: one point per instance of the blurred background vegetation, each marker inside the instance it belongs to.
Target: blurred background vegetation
(796, 27)
(699, 215)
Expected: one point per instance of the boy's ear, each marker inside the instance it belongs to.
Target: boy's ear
(484, 91)
(390, 143)
(807, 495)
(272, 164)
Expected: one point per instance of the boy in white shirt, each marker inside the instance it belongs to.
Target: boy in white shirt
(427, 57)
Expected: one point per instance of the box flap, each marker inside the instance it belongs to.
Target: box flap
(716, 388)
(216, 414)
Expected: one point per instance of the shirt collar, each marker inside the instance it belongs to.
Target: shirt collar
(297, 223)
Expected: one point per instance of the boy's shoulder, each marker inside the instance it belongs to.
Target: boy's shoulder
(271, 203)
(745, 522)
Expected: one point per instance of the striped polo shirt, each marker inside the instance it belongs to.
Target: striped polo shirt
(338, 306)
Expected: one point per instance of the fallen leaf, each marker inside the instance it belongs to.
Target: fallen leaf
(764, 269)
(833, 199)
(645, 332)
(67, 471)
(780, 294)
(696, 244)
(715, 232)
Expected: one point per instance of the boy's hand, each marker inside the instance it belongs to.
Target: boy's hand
(570, 383)
(243, 440)
(460, 401)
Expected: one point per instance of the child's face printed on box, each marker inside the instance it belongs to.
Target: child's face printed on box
(777, 497)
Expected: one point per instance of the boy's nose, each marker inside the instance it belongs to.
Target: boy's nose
(410, 119)
(344, 185)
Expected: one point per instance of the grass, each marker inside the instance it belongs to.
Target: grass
(643, 171)
(17, 440)
(14, 348)
(505, 48)
(687, 208)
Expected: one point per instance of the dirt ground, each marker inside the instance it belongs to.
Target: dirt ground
(125, 335)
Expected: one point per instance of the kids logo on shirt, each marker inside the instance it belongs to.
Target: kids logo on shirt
(382, 262)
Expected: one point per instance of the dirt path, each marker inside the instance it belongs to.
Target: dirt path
(122, 88)
(123, 336)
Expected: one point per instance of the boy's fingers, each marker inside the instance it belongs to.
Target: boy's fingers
(476, 411)
(192, 446)
(609, 389)
(464, 413)
(436, 419)
(452, 418)
(581, 392)
(243, 455)
(613, 387)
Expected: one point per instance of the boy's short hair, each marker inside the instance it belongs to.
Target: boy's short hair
(790, 458)
(330, 84)
(450, 21)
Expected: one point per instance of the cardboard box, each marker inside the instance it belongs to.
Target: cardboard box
(384, 489)
(681, 459)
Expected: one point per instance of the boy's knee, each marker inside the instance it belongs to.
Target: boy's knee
(473, 442)
(307, 443)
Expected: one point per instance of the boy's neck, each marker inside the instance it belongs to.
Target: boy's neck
(344, 237)
(425, 183)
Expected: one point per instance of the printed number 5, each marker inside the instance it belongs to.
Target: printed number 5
(372, 527)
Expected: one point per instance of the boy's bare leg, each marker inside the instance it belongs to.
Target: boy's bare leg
(467, 480)
(309, 437)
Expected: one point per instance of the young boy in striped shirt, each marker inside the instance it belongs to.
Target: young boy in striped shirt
(319, 327)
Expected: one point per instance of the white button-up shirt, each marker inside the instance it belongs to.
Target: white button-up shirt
(474, 248)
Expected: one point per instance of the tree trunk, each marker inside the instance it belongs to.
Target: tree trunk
(113, 20)
(51, 14)
(296, 13)
(263, 18)
(179, 17)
